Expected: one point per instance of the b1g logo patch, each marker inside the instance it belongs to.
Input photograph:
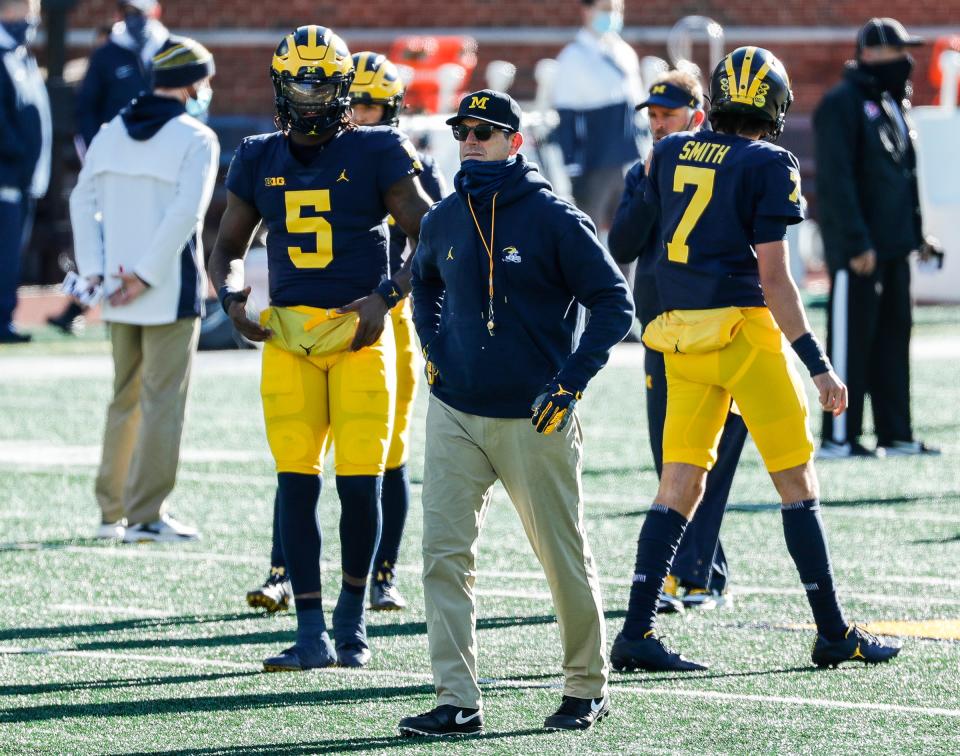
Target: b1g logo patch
(872, 110)
(275, 181)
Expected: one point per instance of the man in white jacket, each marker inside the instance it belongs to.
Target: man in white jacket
(137, 214)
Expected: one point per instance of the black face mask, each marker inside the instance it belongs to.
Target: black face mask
(892, 76)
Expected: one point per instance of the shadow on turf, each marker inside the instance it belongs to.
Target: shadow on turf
(61, 543)
(344, 745)
(929, 541)
(120, 682)
(144, 623)
(751, 508)
(196, 704)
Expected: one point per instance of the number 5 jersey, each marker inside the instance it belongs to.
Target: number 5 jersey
(326, 220)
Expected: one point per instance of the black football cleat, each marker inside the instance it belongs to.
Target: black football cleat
(857, 645)
(386, 597)
(275, 594)
(578, 713)
(300, 658)
(649, 653)
(444, 721)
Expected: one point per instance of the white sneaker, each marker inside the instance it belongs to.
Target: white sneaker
(111, 531)
(167, 529)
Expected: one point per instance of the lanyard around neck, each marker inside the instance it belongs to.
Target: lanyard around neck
(489, 250)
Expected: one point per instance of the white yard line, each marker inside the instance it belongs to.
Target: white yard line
(703, 695)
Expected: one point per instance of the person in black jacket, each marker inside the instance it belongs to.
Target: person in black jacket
(869, 211)
(25, 139)
(120, 69)
(499, 269)
(699, 574)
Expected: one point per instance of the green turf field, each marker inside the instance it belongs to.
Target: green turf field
(151, 649)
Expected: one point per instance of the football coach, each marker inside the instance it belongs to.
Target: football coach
(499, 269)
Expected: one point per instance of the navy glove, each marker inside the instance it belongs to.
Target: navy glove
(553, 409)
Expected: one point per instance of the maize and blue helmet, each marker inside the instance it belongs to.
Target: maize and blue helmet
(377, 82)
(311, 71)
(751, 81)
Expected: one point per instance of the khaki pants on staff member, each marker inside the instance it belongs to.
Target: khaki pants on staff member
(465, 455)
(141, 441)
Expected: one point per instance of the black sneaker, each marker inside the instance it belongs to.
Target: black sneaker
(857, 645)
(649, 654)
(11, 335)
(578, 713)
(833, 450)
(275, 594)
(443, 721)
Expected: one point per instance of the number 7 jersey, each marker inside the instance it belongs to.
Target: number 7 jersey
(719, 196)
(326, 224)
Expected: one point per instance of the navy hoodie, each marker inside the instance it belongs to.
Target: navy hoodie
(546, 259)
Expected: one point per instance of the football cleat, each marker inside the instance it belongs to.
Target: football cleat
(705, 598)
(649, 654)
(165, 530)
(669, 601)
(111, 531)
(350, 634)
(386, 597)
(300, 658)
(274, 595)
(909, 449)
(444, 721)
(857, 645)
(833, 450)
(578, 713)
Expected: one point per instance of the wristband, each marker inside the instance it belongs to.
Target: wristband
(390, 292)
(228, 296)
(811, 354)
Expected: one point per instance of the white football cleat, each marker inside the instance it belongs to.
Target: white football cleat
(111, 531)
(165, 530)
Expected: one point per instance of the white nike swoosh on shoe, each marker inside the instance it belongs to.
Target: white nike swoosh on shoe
(460, 719)
(596, 705)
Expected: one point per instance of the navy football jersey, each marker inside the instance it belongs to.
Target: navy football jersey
(432, 182)
(326, 220)
(716, 192)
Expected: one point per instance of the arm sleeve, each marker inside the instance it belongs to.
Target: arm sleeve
(84, 218)
(198, 173)
(778, 191)
(592, 276)
(427, 287)
(90, 101)
(634, 220)
(398, 159)
(836, 125)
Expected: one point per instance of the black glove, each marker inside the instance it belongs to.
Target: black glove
(553, 409)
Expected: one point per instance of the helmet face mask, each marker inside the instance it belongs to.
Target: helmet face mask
(377, 82)
(751, 82)
(311, 71)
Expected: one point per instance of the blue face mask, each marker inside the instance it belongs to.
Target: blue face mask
(607, 21)
(22, 32)
(136, 26)
(199, 105)
(483, 178)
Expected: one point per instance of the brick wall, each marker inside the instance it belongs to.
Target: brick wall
(243, 85)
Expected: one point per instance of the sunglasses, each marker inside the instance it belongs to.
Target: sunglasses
(482, 132)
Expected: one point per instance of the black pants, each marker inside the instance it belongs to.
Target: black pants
(700, 560)
(868, 341)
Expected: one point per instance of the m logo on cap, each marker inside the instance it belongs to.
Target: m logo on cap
(659, 89)
(479, 103)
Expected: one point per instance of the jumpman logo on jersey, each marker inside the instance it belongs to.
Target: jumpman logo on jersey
(343, 176)
(450, 253)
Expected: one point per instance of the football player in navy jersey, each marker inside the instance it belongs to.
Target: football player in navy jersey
(376, 98)
(324, 188)
(726, 198)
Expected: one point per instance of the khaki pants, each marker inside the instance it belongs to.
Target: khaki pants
(141, 442)
(465, 455)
